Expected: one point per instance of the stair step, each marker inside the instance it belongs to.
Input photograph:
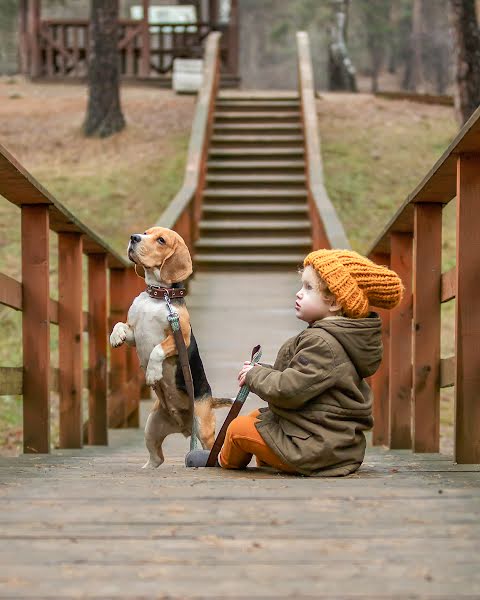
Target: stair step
(257, 95)
(257, 139)
(256, 179)
(272, 225)
(257, 105)
(254, 151)
(222, 128)
(246, 116)
(254, 193)
(254, 165)
(271, 210)
(294, 258)
(255, 242)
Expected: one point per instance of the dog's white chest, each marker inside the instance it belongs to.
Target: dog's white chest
(148, 319)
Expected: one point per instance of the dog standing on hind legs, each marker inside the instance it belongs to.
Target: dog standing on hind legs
(167, 263)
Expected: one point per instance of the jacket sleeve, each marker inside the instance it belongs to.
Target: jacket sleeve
(309, 373)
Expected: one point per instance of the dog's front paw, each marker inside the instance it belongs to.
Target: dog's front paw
(154, 370)
(118, 335)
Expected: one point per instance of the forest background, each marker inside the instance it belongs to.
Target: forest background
(394, 44)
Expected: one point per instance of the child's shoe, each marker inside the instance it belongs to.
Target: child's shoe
(198, 458)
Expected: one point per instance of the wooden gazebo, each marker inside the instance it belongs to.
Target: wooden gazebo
(58, 48)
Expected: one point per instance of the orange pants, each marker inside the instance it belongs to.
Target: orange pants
(243, 441)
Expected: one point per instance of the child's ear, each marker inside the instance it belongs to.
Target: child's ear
(335, 308)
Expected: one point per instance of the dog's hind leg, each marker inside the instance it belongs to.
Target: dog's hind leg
(206, 421)
(155, 433)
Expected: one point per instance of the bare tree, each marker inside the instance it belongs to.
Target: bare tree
(104, 113)
(467, 49)
(341, 72)
(417, 76)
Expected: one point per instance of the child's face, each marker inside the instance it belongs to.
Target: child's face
(311, 302)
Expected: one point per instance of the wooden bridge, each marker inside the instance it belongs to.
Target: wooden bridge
(88, 522)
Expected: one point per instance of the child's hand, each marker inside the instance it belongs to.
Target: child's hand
(243, 373)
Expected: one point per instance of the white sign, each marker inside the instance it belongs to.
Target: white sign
(170, 14)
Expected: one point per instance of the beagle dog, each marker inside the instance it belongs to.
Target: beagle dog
(166, 261)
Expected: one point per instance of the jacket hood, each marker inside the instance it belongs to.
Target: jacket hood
(361, 339)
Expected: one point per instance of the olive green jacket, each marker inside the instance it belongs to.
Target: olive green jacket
(319, 403)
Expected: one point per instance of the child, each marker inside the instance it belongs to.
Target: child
(319, 404)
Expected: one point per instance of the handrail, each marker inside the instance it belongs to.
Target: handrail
(41, 212)
(188, 199)
(411, 243)
(327, 227)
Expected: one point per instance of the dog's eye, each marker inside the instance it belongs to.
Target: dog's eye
(160, 240)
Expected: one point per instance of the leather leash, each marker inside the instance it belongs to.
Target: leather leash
(233, 412)
(174, 321)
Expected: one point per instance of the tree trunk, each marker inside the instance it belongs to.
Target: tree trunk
(418, 79)
(104, 114)
(467, 48)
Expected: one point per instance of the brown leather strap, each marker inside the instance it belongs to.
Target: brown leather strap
(218, 443)
(185, 364)
(232, 414)
(159, 292)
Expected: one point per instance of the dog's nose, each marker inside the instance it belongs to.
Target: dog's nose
(135, 238)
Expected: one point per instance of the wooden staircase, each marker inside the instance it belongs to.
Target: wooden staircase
(254, 198)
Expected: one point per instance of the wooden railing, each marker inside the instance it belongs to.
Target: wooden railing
(113, 405)
(184, 212)
(327, 230)
(407, 387)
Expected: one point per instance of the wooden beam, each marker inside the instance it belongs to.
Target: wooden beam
(70, 322)
(400, 369)
(447, 372)
(36, 328)
(427, 268)
(467, 312)
(10, 292)
(145, 56)
(118, 356)
(380, 381)
(97, 350)
(449, 285)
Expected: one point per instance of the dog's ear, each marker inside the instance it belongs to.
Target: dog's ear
(178, 265)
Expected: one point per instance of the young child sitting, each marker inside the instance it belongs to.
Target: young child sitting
(319, 404)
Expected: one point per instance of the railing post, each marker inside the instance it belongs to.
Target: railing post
(97, 349)
(380, 381)
(427, 271)
(467, 312)
(400, 393)
(118, 356)
(36, 328)
(145, 56)
(70, 323)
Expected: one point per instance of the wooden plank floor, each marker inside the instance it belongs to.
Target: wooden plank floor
(92, 523)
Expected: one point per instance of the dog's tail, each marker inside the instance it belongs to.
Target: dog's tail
(221, 402)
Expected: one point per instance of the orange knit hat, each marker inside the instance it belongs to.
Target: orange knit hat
(355, 281)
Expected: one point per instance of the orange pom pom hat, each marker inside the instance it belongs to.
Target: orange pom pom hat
(356, 282)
